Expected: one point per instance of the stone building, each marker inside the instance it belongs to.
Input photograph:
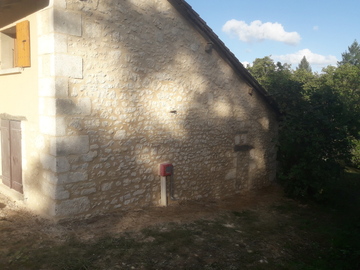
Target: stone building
(95, 94)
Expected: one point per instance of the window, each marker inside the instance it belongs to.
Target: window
(15, 46)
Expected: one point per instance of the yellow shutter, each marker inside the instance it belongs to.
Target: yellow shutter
(23, 44)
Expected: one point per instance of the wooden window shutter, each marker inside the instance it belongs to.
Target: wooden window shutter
(22, 58)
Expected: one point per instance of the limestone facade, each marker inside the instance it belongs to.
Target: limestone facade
(126, 85)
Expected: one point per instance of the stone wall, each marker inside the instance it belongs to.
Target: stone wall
(134, 87)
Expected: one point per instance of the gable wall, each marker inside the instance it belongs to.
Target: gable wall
(142, 62)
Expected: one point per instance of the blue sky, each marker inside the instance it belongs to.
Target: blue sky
(286, 30)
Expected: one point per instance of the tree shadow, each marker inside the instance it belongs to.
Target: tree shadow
(158, 95)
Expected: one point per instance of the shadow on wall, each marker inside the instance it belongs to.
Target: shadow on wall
(157, 96)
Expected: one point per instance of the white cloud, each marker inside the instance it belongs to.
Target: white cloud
(257, 31)
(313, 58)
(246, 63)
(315, 28)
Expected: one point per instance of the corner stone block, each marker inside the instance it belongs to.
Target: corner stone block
(64, 178)
(72, 207)
(47, 87)
(55, 192)
(45, 19)
(63, 65)
(46, 65)
(60, 3)
(55, 164)
(68, 66)
(54, 126)
(47, 161)
(62, 165)
(56, 178)
(52, 43)
(72, 145)
(66, 22)
(69, 107)
(61, 87)
(66, 106)
(47, 106)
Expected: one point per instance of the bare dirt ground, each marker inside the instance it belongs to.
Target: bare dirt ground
(17, 224)
(256, 230)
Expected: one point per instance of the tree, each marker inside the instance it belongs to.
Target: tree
(346, 80)
(304, 65)
(352, 55)
(356, 154)
(352, 58)
(318, 122)
(303, 73)
(313, 139)
(261, 68)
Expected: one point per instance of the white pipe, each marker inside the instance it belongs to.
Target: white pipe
(163, 200)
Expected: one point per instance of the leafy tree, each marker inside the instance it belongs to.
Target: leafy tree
(317, 127)
(313, 139)
(346, 80)
(352, 55)
(355, 151)
(304, 74)
(261, 69)
(304, 65)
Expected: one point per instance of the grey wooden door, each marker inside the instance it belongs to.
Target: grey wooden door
(11, 154)
(5, 152)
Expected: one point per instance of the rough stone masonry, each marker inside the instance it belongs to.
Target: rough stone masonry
(133, 84)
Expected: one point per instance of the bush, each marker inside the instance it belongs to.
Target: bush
(313, 139)
(320, 116)
(356, 154)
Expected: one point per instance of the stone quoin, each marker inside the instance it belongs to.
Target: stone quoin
(100, 92)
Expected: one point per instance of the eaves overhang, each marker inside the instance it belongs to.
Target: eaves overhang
(13, 10)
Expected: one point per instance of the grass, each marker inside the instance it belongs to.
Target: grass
(286, 235)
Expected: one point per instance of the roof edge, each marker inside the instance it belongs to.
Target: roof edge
(200, 25)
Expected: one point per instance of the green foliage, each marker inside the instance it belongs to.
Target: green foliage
(320, 122)
(313, 138)
(352, 55)
(346, 80)
(356, 154)
(304, 65)
(262, 68)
